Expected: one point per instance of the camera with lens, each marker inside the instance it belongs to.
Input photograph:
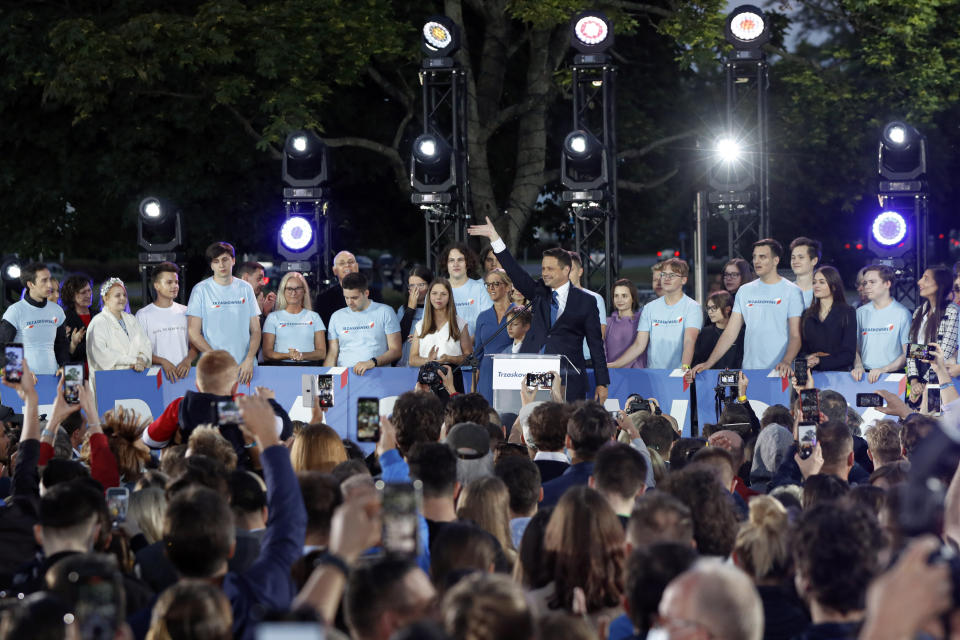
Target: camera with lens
(431, 374)
(636, 402)
(728, 378)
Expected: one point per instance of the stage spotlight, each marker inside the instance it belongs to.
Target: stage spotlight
(304, 160)
(582, 149)
(11, 270)
(583, 166)
(441, 40)
(591, 32)
(747, 28)
(296, 233)
(728, 150)
(889, 228)
(902, 158)
(432, 159)
(152, 210)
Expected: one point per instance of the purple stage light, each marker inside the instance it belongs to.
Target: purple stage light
(889, 228)
(296, 234)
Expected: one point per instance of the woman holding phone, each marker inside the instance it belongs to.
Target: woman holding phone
(935, 321)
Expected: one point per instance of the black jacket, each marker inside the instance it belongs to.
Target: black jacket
(579, 320)
(836, 335)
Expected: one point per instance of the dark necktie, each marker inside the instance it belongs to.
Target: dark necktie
(554, 308)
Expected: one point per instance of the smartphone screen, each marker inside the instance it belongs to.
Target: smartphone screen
(290, 630)
(933, 400)
(869, 400)
(807, 437)
(918, 351)
(13, 362)
(325, 390)
(810, 405)
(97, 607)
(368, 419)
(72, 381)
(228, 412)
(400, 508)
(118, 499)
(800, 371)
(308, 385)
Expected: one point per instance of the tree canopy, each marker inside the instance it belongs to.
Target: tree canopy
(105, 102)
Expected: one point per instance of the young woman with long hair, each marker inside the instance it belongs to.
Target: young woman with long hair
(828, 326)
(935, 320)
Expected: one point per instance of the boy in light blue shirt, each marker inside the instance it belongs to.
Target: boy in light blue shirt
(222, 312)
(37, 323)
(365, 334)
(770, 307)
(669, 325)
(805, 255)
(883, 327)
(469, 294)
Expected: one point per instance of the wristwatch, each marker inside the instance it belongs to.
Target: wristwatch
(374, 361)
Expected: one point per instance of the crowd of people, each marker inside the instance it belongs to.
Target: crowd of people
(568, 523)
(565, 522)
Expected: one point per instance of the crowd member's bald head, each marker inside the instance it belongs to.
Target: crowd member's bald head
(344, 263)
(217, 373)
(713, 600)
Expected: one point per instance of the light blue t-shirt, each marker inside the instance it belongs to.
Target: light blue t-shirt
(362, 334)
(225, 312)
(807, 297)
(471, 298)
(881, 333)
(36, 331)
(666, 324)
(601, 310)
(293, 331)
(765, 309)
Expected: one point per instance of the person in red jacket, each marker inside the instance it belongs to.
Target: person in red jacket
(217, 373)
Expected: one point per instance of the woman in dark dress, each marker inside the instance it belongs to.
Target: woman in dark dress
(829, 325)
(76, 296)
(719, 307)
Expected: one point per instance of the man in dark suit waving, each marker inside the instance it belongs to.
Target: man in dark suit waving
(563, 315)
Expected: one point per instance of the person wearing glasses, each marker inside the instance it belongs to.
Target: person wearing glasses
(499, 286)
(669, 325)
(294, 333)
(736, 273)
(412, 312)
(719, 307)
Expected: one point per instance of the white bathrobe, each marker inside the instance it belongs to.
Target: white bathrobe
(110, 347)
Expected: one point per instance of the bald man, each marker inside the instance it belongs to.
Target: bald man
(331, 298)
(712, 600)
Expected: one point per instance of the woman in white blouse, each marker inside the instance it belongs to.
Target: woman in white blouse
(441, 335)
(115, 340)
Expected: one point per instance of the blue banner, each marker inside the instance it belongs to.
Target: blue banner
(148, 393)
